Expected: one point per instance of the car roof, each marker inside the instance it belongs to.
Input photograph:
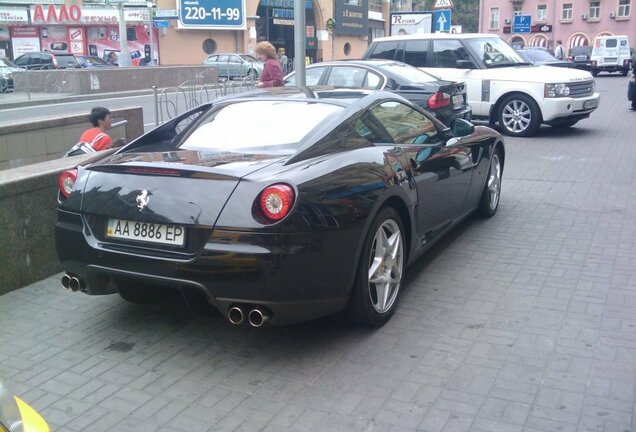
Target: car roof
(436, 36)
(358, 62)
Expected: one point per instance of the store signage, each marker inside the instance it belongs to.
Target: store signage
(73, 14)
(167, 13)
(212, 14)
(13, 15)
(404, 23)
(352, 17)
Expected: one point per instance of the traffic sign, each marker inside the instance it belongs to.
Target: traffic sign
(522, 24)
(443, 4)
(167, 13)
(442, 20)
(212, 14)
(161, 23)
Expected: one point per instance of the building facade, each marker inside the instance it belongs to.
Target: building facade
(334, 29)
(574, 22)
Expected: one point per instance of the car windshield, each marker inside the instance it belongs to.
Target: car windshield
(258, 124)
(538, 56)
(6, 62)
(249, 58)
(94, 61)
(410, 73)
(494, 52)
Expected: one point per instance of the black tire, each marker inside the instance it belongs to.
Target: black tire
(565, 125)
(367, 308)
(625, 72)
(594, 72)
(519, 115)
(489, 201)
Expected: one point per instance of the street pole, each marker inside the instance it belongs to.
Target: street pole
(124, 54)
(299, 45)
(151, 6)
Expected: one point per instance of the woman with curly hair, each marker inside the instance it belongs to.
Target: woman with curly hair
(272, 75)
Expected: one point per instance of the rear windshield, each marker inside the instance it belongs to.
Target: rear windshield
(259, 124)
(538, 56)
(411, 73)
(611, 43)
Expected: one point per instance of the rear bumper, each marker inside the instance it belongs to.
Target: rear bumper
(283, 273)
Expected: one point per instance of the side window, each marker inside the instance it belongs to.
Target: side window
(385, 50)
(415, 52)
(235, 59)
(213, 58)
(312, 77)
(404, 124)
(223, 59)
(447, 52)
(372, 81)
(22, 61)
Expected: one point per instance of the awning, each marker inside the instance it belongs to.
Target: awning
(579, 40)
(539, 41)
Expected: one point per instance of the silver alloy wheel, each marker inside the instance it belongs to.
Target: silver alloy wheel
(516, 116)
(385, 266)
(494, 182)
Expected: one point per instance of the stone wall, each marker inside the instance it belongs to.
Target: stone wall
(49, 138)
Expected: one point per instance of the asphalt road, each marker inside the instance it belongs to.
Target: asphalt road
(520, 323)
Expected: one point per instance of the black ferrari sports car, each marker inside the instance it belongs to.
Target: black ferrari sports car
(278, 207)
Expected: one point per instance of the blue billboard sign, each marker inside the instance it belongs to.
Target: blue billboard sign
(212, 14)
(442, 20)
(521, 24)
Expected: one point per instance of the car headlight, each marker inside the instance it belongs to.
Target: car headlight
(557, 90)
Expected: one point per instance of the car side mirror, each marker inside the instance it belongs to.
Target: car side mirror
(461, 128)
(465, 64)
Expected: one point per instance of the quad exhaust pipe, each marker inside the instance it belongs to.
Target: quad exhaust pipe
(71, 282)
(255, 317)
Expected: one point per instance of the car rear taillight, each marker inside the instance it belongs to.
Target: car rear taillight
(67, 182)
(439, 100)
(570, 58)
(626, 63)
(276, 201)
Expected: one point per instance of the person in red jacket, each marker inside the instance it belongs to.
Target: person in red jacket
(101, 120)
(272, 75)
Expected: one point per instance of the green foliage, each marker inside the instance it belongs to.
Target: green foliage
(465, 12)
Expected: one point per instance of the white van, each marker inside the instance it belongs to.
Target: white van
(611, 54)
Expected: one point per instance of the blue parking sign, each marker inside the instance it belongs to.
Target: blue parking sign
(522, 24)
(212, 14)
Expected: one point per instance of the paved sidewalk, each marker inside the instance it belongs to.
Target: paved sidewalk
(20, 100)
(521, 323)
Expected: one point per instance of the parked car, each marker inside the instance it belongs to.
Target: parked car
(318, 206)
(91, 62)
(16, 415)
(7, 67)
(502, 87)
(446, 100)
(611, 54)
(235, 65)
(581, 56)
(541, 56)
(46, 60)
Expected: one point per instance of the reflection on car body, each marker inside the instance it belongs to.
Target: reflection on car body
(317, 207)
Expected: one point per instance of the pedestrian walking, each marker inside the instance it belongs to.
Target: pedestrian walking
(283, 59)
(559, 52)
(631, 88)
(272, 75)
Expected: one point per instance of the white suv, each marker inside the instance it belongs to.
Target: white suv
(502, 87)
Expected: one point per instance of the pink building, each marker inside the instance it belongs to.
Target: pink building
(574, 22)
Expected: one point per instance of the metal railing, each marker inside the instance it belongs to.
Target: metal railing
(173, 101)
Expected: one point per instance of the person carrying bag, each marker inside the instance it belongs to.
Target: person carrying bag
(95, 138)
